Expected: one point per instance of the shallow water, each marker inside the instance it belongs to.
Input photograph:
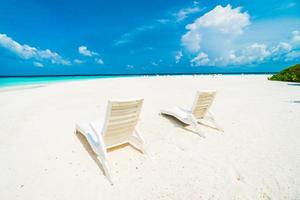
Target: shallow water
(23, 81)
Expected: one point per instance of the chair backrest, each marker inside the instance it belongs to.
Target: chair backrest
(121, 119)
(202, 103)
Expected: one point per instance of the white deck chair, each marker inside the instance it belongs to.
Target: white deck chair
(119, 127)
(198, 113)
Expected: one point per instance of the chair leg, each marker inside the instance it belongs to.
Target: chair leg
(105, 165)
(100, 150)
(102, 155)
(195, 125)
(212, 119)
(137, 143)
(139, 136)
(217, 125)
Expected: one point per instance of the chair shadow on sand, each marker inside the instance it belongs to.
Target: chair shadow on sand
(294, 84)
(89, 149)
(295, 101)
(93, 155)
(178, 123)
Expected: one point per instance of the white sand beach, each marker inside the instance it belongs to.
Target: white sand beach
(256, 157)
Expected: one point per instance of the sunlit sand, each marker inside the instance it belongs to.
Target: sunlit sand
(256, 157)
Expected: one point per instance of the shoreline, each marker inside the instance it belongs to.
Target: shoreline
(149, 74)
(87, 78)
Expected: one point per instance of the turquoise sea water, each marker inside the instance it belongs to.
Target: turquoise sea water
(23, 81)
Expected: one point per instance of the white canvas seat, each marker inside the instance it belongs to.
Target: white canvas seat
(117, 128)
(199, 112)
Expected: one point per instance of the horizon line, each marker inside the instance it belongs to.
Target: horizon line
(132, 74)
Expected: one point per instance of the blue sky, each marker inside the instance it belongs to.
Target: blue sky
(134, 36)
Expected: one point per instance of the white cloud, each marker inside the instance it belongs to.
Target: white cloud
(223, 19)
(83, 50)
(52, 56)
(296, 38)
(163, 21)
(200, 59)
(214, 40)
(212, 36)
(290, 5)
(38, 64)
(121, 41)
(293, 55)
(174, 17)
(280, 50)
(130, 66)
(27, 52)
(154, 64)
(285, 5)
(127, 37)
(23, 51)
(218, 39)
(223, 23)
(287, 51)
(77, 61)
(191, 40)
(178, 56)
(255, 53)
(183, 13)
(99, 61)
(282, 47)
